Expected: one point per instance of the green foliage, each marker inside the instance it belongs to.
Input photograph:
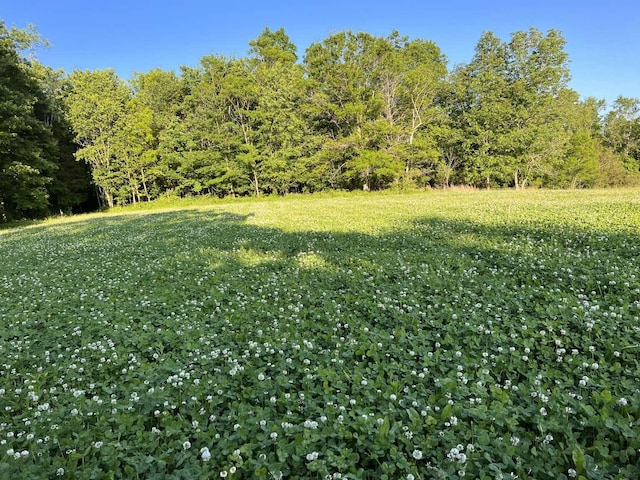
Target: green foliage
(374, 94)
(622, 131)
(97, 106)
(356, 336)
(360, 112)
(27, 146)
(273, 47)
(507, 103)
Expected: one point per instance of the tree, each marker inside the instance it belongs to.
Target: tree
(282, 136)
(96, 104)
(577, 166)
(622, 131)
(71, 188)
(506, 102)
(133, 150)
(376, 94)
(342, 100)
(410, 78)
(273, 47)
(158, 106)
(27, 146)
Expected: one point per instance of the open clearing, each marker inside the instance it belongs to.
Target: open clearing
(437, 335)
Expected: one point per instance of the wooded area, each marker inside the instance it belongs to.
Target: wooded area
(355, 112)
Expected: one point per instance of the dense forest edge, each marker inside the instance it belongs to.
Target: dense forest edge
(356, 112)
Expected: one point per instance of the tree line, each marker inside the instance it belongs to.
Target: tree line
(357, 111)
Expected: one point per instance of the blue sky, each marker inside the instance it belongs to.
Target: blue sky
(603, 40)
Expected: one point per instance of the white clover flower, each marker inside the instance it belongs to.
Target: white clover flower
(393, 397)
(274, 436)
(572, 473)
(261, 376)
(186, 445)
(310, 424)
(417, 454)
(232, 470)
(623, 402)
(205, 454)
(312, 456)
(60, 472)
(410, 477)
(223, 474)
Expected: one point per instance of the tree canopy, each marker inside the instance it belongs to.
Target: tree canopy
(355, 111)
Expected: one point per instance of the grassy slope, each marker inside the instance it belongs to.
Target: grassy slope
(514, 313)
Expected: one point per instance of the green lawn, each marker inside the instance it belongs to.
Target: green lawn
(475, 334)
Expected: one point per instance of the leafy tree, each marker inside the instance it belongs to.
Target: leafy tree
(71, 188)
(162, 92)
(375, 94)
(27, 146)
(507, 106)
(216, 113)
(96, 104)
(133, 151)
(622, 131)
(282, 135)
(577, 166)
(273, 47)
(158, 107)
(410, 78)
(342, 99)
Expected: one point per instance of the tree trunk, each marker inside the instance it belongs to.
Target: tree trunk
(144, 185)
(100, 197)
(255, 180)
(109, 198)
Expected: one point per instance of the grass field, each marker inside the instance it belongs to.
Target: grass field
(488, 335)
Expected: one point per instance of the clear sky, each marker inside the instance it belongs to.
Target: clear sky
(603, 36)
